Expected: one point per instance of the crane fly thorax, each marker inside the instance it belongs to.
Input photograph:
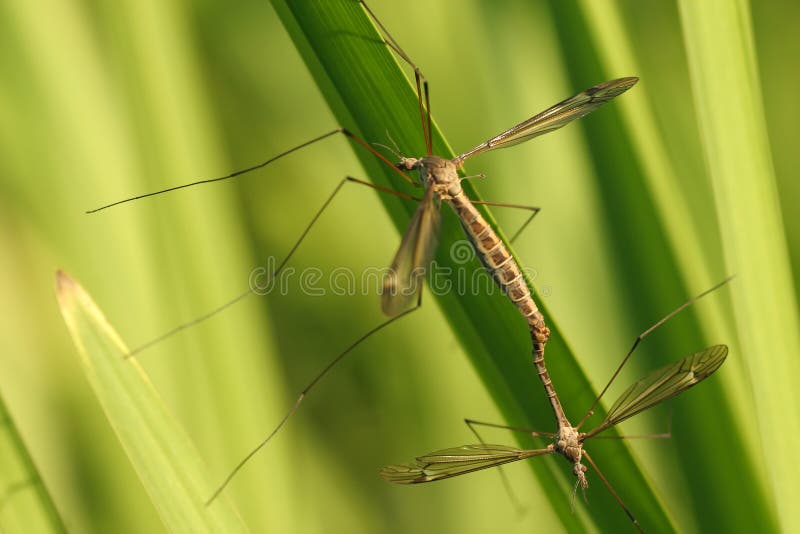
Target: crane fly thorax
(568, 444)
(438, 173)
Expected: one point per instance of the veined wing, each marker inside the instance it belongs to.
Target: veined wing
(404, 281)
(556, 116)
(663, 384)
(456, 461)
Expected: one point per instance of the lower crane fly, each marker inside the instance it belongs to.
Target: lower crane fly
(568, 441)
(653, 389)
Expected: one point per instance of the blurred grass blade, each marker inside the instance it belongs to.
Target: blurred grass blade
(617, 55)
(726, 90)
(369, 94)
(693, 258)
(161, 453)
(683, 202)
(667, 238)
(25, 503)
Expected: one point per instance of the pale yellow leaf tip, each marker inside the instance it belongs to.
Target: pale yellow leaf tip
(63, 281)
(69, 292)
(75, 302)
(66, 288)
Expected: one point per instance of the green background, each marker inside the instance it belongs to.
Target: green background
(101, 100)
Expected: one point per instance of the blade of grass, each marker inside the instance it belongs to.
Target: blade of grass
(647, 251)
(25, 502)
(369, 94)
(694, 249)
(163, 456)
(727, 94)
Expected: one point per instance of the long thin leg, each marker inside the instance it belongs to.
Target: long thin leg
(663, 435)
(240, 172)
(643, 335)
(418, 73)
(611, 489)
(302, 396)
(515, 501)
(534, 433)
(421, 81)
(533, 209)
(255, 289)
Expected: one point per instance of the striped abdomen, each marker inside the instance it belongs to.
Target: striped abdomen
(507, 274)
(501, 264)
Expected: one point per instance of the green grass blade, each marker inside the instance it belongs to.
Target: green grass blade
(682, 212)
(369, 94)
(726, 89)
(25, 502)
(163, 456)
(102, 100)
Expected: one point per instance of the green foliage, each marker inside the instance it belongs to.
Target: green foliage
(163, 456)
(645, 203)
(25, 503)
(733, 129)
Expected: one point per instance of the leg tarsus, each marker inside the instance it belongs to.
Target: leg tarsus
(515, 501)
(325, 370)
(614, 494)
(421, 81)
(646, 333)
(533, 209)
(534, 433)
(259, 288)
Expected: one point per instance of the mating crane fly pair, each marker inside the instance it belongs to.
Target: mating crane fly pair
(402, 288)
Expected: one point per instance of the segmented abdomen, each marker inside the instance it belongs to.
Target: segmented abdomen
(499, 262)
(507, 274)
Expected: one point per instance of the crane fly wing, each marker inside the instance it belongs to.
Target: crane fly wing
(456, 461)
(556, 116)
(403, 282)
(663, 384)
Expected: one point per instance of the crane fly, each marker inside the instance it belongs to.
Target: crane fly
(442, 183)
(655, 388)
(440, 178)
(568, 441)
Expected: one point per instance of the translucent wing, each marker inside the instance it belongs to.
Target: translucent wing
(456, 461)
(402, 284)
(556, 116)
(663, 384)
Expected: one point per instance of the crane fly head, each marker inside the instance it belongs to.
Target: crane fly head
(407, 164)
(568, 443)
